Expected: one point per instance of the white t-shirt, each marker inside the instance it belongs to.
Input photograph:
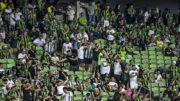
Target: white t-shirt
(23, 57)
(4, 90)
(2, 70)
(3, 35)
(112, 83)
(104, 68)
(106, 23)
(20, 56)
(137, 67)
(8, 10)
(166, 39)
(1, 20)
(159, 77)
(85, 36)
(10, 83)
(79, 37)
(39, 42)
(110, 31)
(65, 47)
(146, 16)
(18, 16)
(70, 14)
(123, 89)
(81, 52)
(55, 59)
(12, 21)
(67, 96)
(117, 68)
(133, 79)
(151, 32)
(110, 37)
(60, 89)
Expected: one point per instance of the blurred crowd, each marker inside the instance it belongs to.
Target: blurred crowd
(47, 53)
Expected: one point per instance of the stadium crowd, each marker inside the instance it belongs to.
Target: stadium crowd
(106, 54)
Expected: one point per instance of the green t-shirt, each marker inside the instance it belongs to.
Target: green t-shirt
(53, 28)
(123, 55)
(118, 34)
(165, 99)
(160, 25)
(40, 5)
(83, 20)
(43, 94)
(130, 11)
(10, 95)
(169, 17)
(129, 47)
(106, 14)
(112, 20)
(90, 28)
(75, 24)
(21, 73)
(88, 85)
(25, 42)
(100, 59)
(21, 24)
(145, 80)
(46, 59)
(106, 79)
(5, 53)
(25, 8)
(47, 81)
(175, 72)
(32, 18)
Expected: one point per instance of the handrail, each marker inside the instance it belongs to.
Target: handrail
(150, 86)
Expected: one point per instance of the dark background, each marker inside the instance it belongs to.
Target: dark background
(162, 4)
(174, 5)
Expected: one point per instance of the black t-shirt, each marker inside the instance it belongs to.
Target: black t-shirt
(32, 53)
(72, 62)
(169, 92)
(20, 72)
(58, 13)
(61, 76)
(95, 55)
(178, 63)
(26, 95)
(168, 50)
(14, 42)
(32, 71)
(120, 26)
